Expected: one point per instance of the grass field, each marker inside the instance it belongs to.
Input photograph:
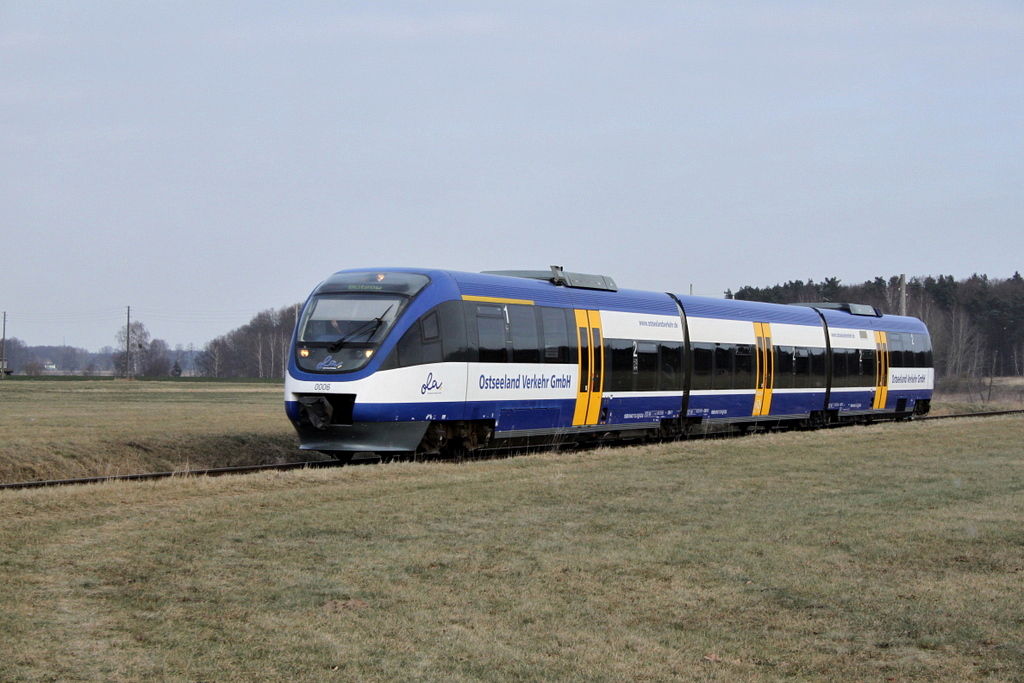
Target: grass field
(883, 553)
(61, 429)
(57, 428)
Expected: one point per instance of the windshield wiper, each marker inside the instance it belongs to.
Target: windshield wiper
(371, 326)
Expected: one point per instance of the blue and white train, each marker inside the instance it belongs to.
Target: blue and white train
(407, 361)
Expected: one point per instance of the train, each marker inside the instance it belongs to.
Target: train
(399, 362)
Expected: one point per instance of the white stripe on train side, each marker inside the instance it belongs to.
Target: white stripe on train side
(619, 325)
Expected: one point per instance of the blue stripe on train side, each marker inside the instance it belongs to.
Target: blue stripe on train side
(795, 402)
(625, 410)
(721, 405)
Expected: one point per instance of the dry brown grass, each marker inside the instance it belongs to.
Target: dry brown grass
(892, 552)
(54, 429)
(956, 397)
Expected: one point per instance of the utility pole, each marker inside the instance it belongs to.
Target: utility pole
(3, 350)
(128, 346)
(903, 294)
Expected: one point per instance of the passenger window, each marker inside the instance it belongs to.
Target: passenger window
(801, 368)
(647, 366)
(525, 339)
(784, 367)
(490, 326)
(671, 378)
(896, 355)
(866, 369)
(556, 335)
(744, 367)
(818, 369)
(621, 362)
(703, 366)
(722, 378)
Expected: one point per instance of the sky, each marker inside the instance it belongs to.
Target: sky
(204, 161)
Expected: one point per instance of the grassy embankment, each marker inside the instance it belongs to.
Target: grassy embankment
(883, 553)
(61, 429)
(56, 428)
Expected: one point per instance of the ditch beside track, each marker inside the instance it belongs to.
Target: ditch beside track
(317, 464)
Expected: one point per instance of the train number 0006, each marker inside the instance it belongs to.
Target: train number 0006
(321, 387)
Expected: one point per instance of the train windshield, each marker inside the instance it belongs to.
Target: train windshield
(339, 332)
(348, 317)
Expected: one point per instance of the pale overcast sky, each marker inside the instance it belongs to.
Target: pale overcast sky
(203, 161)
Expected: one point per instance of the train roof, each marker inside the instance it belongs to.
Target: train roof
(884, 323)
(556, 287)
(600, 292)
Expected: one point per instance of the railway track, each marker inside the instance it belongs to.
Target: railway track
(248, 469)
(214, 472)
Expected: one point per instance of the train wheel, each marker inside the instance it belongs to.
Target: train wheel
(342, 457)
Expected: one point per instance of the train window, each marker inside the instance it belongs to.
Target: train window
(801, 368)
(621, 365)
(819, 369)
(430, 327)
(671, 377)
(584, 359)
(866, 376)
(703, 365)
(721, 378)
(744, 378)
(570, 324)
(647, 366)
(918, 351)
(556, 335)
(784, 367)
(896, 356)
(840, 372)
(421, 343)
(598, 359)
(522, 322)
(924, 358)
(439, 335)
(490, 328)
(453, 332)
(853, 367)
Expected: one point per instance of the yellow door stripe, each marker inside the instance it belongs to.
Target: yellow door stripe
(586, 358)
(769, 368)
(496, 300)
(590, 342)
(764, 369)
(597, 367)
(881, 370)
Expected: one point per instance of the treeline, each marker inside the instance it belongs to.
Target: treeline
(977, 328)
(257, 349)
(977, 324)
(149, 358)
(37, 360)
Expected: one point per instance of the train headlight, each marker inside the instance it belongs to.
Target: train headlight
(369, 352)
(304, 353)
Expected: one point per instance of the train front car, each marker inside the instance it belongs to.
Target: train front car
(347, 329)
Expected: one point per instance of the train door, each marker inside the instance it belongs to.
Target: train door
(881, 370)
(765, 381)
(591, 368)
